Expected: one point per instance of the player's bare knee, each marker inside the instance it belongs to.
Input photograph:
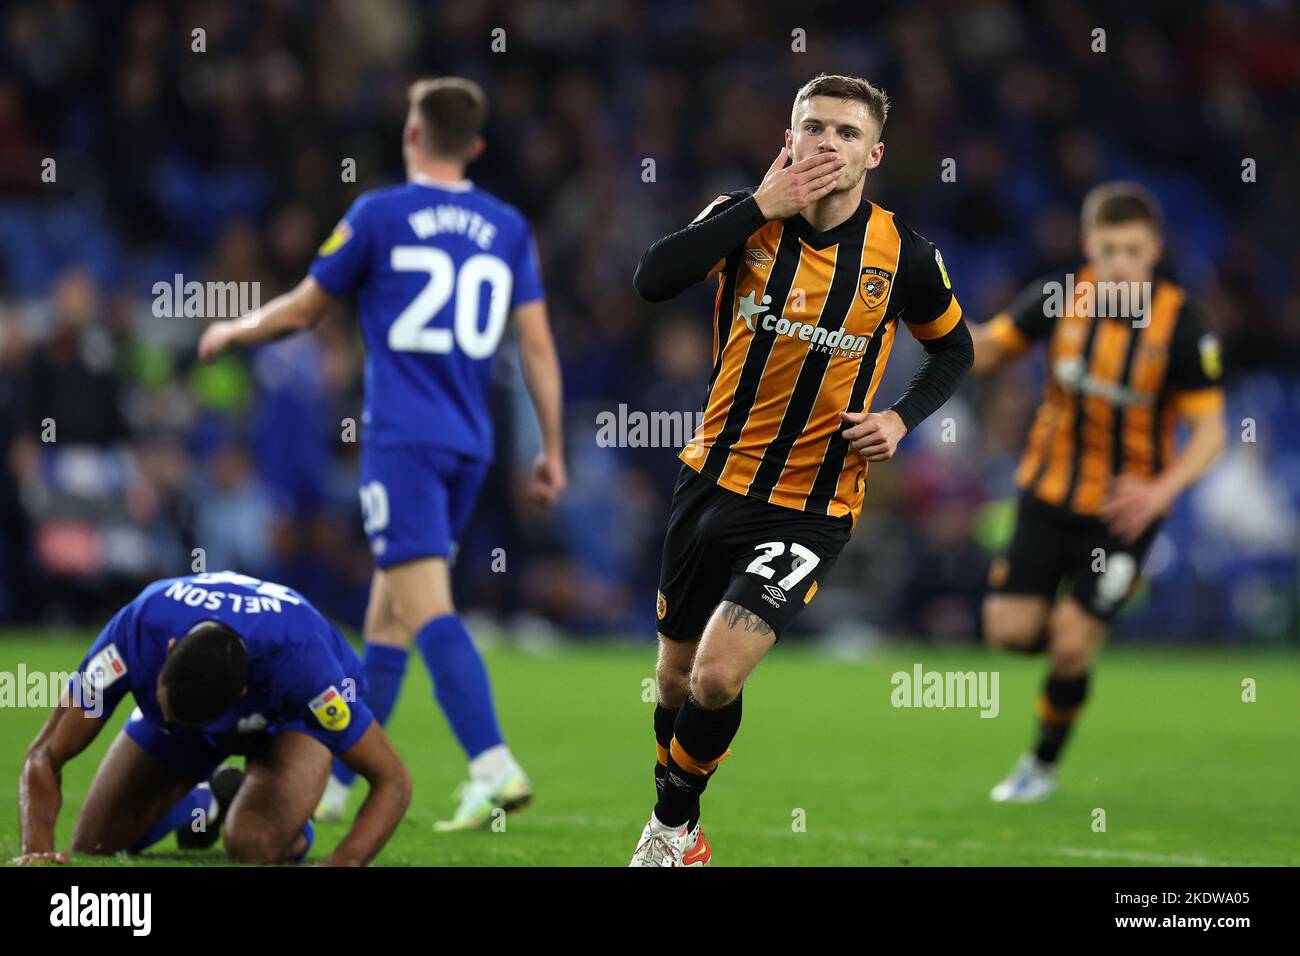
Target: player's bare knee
(252, 843)
(673, 670)
(406, 789)
(1076, 637)
(1069, 619)
(388, 633)
(1006, 630)
(996, 632)
(715, 685)
(1072, 651)
(92, 844)
(419, 592)
(673, 684)
(412, 620)
(404, 623)
(96, 834)
(1070, 664)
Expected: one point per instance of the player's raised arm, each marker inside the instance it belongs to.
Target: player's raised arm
(683, 258)
(67, 733)
(296, 310)
(542, 376)
(680, 259)
(373, 757)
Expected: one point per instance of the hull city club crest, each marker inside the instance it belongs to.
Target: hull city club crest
(874, 286)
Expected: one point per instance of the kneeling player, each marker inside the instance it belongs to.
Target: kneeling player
(218, 665)
(1100, 471)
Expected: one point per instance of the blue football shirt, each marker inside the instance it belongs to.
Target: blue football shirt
(435, 270)
(302, 674)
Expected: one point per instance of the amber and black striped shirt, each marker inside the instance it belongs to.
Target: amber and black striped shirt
(803, 324)
(1116, 384)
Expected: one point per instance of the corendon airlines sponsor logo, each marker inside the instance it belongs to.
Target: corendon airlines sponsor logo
(756, 314)
(1072, 374)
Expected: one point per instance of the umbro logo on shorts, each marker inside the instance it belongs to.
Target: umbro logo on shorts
(774, 596)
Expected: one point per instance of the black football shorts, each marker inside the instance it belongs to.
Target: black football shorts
(1052, 546)
(724, 546)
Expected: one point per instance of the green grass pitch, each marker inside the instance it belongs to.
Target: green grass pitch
(825, 771)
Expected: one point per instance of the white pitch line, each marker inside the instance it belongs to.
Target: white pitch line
(1133, 856)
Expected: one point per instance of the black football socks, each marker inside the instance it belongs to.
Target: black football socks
(665, 718)
(1058, 707)
(699, 743)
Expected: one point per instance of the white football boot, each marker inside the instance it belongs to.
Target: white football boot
(479, 800)
(1032, 781)
(333, 802)
(671, 846)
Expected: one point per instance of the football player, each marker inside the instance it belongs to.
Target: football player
(218, 665)
(814, 281)
(1128, 357)
(438, 268)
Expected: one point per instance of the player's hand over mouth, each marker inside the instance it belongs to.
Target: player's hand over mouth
(787, 189)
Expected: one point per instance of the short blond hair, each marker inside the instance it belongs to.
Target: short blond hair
(1113, 203)
(846, 88)
(452, 112)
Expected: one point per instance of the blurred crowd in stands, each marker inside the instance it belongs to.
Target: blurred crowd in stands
(222, 155)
